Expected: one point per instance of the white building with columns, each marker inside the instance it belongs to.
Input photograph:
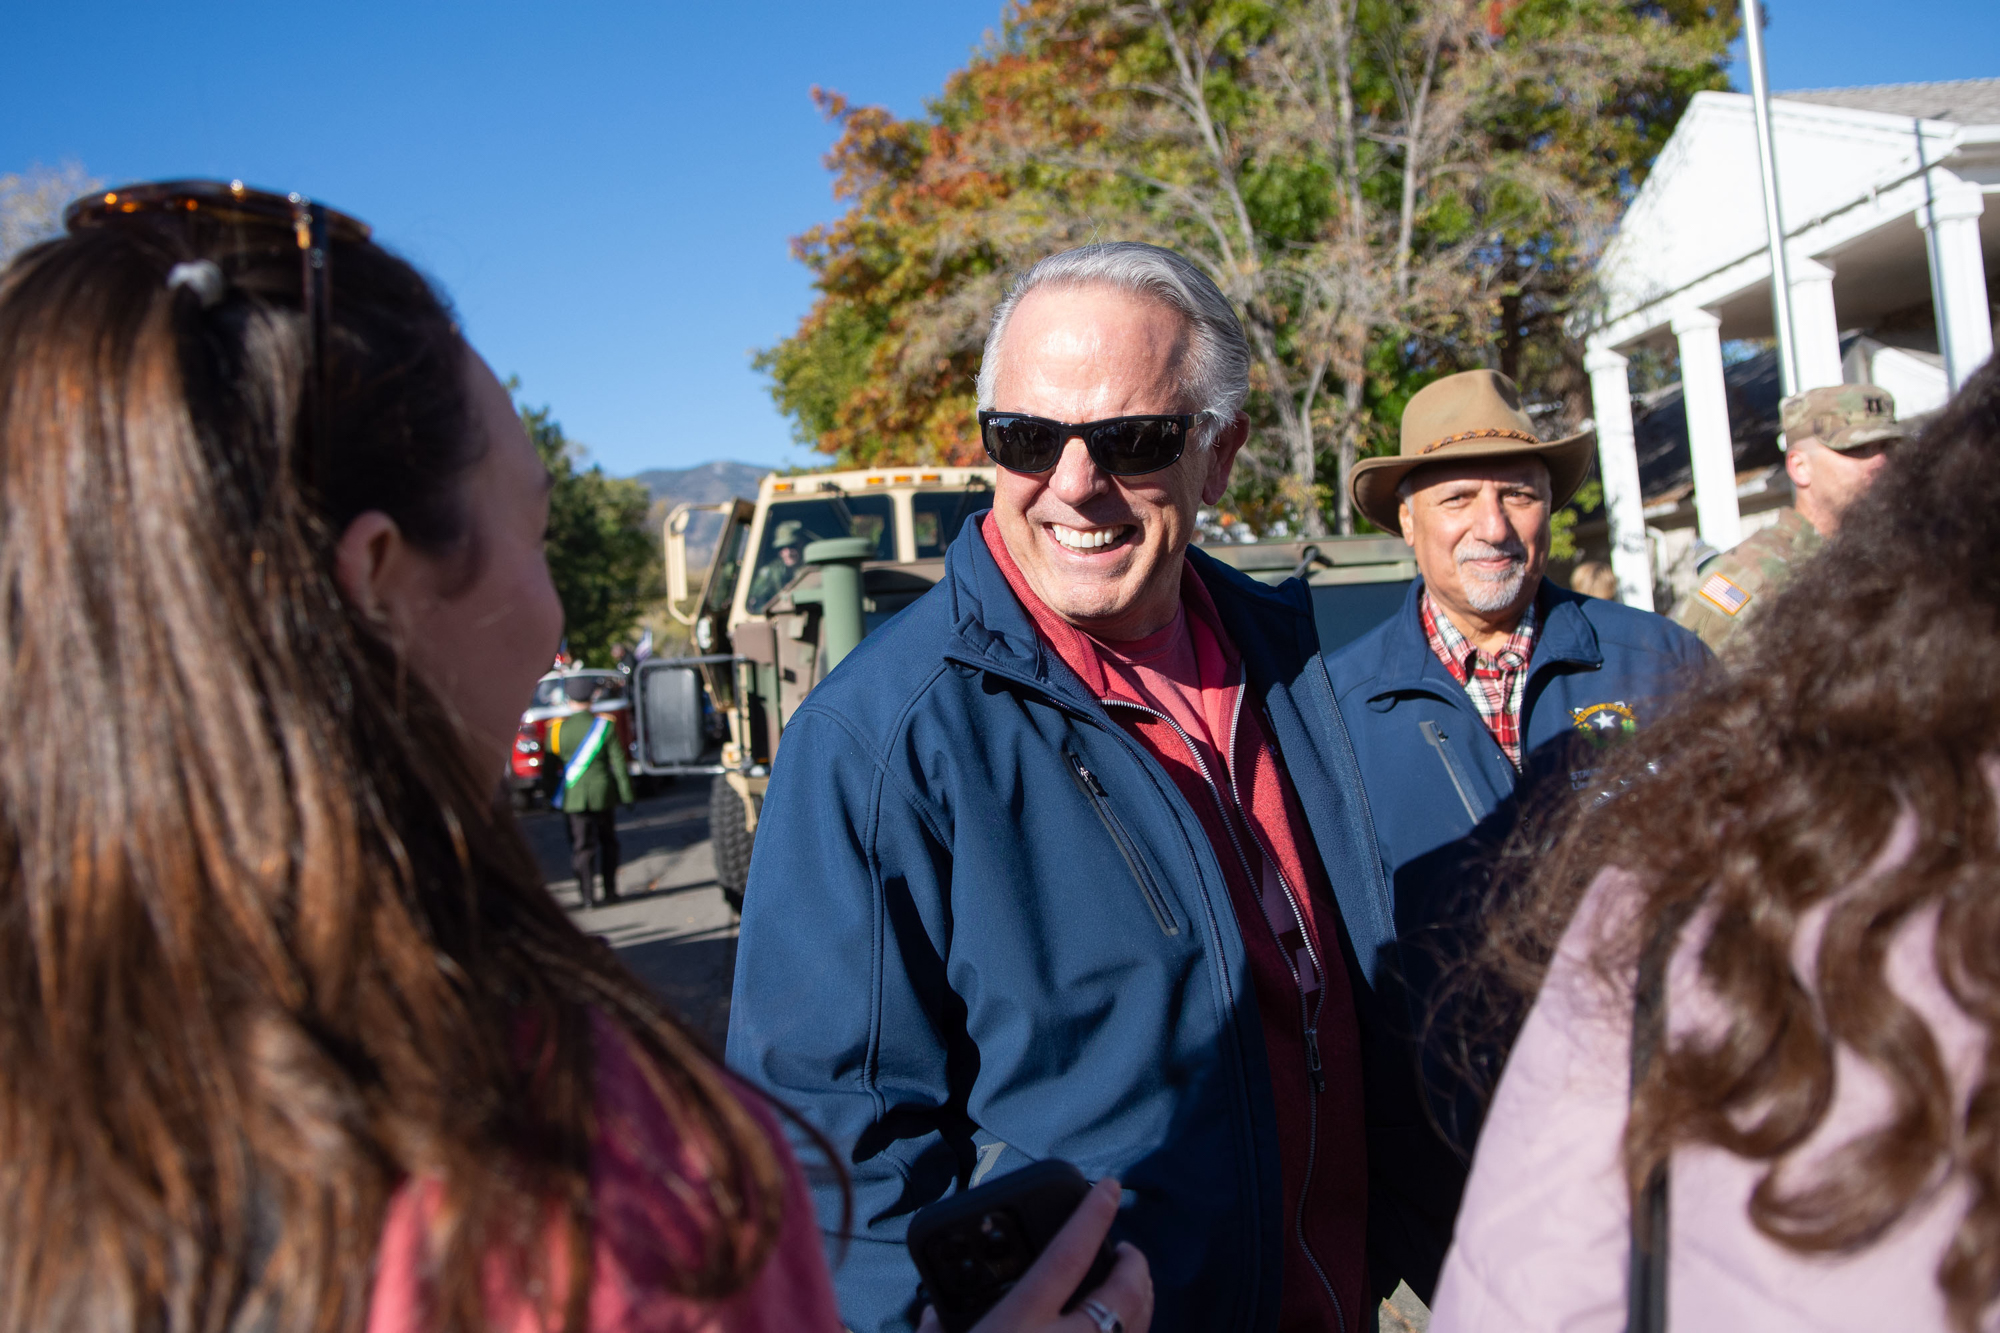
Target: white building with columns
(1890, 239)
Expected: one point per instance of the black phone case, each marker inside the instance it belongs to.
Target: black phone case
(971, 1248)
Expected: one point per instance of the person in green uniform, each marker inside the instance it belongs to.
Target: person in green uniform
(788, 546)
(594, 784)
(1837, 438)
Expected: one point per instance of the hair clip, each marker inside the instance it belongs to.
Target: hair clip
(201, 277)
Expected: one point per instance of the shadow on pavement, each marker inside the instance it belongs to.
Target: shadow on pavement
(641, 895)
(679, 939)
(693, 974)
(674, 819)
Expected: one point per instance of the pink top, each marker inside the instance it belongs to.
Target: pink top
(1542, 1237)
(643, 1234)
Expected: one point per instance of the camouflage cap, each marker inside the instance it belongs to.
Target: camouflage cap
(1843, 416)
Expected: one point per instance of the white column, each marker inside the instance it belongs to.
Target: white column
(1958, 275)
(1707, 402)
(1618, 469)
(1815, 326)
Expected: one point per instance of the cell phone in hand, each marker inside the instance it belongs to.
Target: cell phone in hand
(971, 1248)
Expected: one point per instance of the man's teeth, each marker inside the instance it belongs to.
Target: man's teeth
(1076, 539)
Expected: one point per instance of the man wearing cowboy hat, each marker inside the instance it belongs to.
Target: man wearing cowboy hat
(1490, 679)
(1838, 438)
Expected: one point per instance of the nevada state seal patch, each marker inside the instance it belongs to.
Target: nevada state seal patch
(1606, 723)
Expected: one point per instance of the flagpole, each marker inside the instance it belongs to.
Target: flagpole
(1774, 217)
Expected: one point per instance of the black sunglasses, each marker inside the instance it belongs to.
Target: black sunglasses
(1122, 446)
(233, 204)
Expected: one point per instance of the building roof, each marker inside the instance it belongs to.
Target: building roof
(1966, 101)
(1660, 431)
(1851, 179)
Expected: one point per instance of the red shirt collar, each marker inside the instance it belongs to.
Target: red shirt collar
(1078, 649)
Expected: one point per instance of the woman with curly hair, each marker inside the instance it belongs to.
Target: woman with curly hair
(1794, 884)
(292, 1037)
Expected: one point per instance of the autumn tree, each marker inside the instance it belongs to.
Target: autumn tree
(601, 556)
(1388, 190)
(942, 213)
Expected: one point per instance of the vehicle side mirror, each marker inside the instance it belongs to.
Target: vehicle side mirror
(677, 557)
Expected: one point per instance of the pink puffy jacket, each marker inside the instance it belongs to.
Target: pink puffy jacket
(644, 1234)
(1542, 1237)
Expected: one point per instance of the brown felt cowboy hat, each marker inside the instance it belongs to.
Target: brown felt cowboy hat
(1473, 415)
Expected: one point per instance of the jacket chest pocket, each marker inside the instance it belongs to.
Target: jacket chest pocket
(1439, 743)
(1093, 791)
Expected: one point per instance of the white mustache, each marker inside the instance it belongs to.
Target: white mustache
(1473, 549)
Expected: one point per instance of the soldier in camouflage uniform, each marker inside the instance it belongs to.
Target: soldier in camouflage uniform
(1837, 441)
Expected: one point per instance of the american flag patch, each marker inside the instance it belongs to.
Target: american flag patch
(1727, 597)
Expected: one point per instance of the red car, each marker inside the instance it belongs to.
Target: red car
(560, 694)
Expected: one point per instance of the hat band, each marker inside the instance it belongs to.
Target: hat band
(1482, 434)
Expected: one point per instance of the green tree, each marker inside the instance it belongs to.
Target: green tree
(1562, 524)
(601, 554)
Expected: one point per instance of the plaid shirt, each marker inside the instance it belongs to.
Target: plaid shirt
(1494, 683)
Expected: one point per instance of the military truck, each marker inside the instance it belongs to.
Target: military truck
(797, 578)
(820, 560)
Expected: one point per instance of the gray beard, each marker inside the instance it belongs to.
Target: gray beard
(1486, 594)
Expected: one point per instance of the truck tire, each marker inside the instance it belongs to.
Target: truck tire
(729, 840)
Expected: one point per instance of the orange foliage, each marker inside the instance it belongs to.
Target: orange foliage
(938, 221)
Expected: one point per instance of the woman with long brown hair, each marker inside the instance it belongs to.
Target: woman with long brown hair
(291, 1034)
(1795, 884)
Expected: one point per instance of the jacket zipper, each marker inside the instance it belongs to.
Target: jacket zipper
(1434, 735)
(1314, 1068)
(1309, 1017)
(1093, 790)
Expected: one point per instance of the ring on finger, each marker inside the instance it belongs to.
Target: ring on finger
(1103, 1316)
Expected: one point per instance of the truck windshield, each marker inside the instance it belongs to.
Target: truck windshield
(790, 525)
(936, 516)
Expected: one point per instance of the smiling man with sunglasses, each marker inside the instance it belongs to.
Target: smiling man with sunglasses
(1070, 860)
(1097, 514)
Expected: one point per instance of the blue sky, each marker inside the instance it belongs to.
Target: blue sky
(1844, 43)
(607, 189)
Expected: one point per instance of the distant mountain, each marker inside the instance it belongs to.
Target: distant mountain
(702, 484)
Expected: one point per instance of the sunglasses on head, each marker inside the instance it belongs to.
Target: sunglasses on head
(308, 225)
(1121, 446)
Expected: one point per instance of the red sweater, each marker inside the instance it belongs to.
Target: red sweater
(1280, 894)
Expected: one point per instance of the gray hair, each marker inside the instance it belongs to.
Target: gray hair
(1214, 373)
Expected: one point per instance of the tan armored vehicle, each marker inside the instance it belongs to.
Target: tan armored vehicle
(820, 560)
(778, 610)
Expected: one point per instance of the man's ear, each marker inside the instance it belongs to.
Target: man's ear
(370, 565)
(1222, 457)
(1406, 521)
(1798, 465)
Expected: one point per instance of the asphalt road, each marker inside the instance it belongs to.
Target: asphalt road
(670, 926)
